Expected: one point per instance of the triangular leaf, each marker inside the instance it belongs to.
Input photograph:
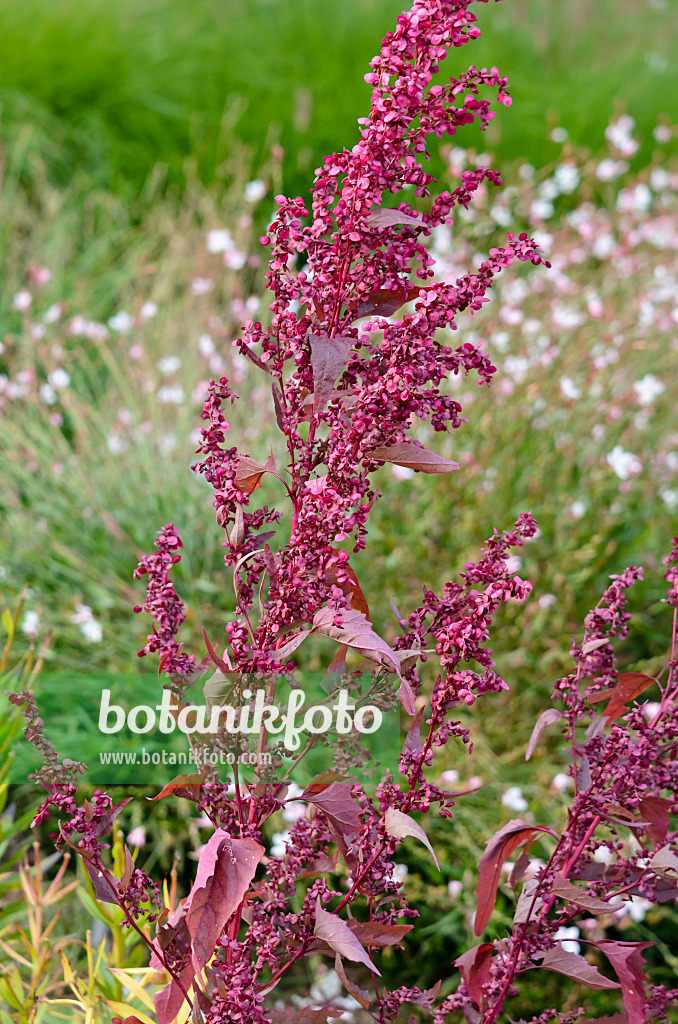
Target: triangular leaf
(382, 217)
(565, 890)
(547, 717)
(328, 355)
(413, 456)
(574, 966)
(627, 960)
(476, 969)
(399, 825)
(225, 870)
(186, 786)
(336, 933)
(359, 994)
(497, 850)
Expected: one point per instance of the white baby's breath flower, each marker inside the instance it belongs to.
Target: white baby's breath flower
(121, 322)
(513, 799)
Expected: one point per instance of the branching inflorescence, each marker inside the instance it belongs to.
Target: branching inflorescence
(348, 381)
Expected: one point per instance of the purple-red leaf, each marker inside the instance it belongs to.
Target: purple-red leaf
(627, 960)
(547, 717)
(225, 870)
(186, 786)
(328, 355)
(497, 850)
(337, 804)
(105, 884)
(400, 825)
(384, 302)
(565, 890)
(412, 456)
(359, 994)
(356, 631)
(655, 811)
(383, 217)
(629, 686)
(372, 933)
(249, 473)
(574, 966)
(336, 933)
(307, 1015)
(476, 969)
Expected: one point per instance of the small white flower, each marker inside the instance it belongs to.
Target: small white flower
(650, 709)
(59, 378)
(53, 313)
(450, 776)
(22, 300)
(255, 190)
(234, 259)
(608, 170)
(205, 345)
(454, 888)
(48, 394)
(115, 444)
(121, 322)
(559, 135)
(293, 810)
(201, 285)
(578, 509)
(171, 395)
(30, 624)
(89, 627)
(513, 799)
(546, 600)
(148, 311)
(603, 855)
(566, 178)
(623, 463)
(402, 472)
(566, 937)
(169, 364)
(561, 782)
(278, 847)
(541, 209)
(137, 837)
(659, 178)
(219, 240)
(648, 388)
(400, 872)
(513, 563)
(670, 499)
(569, 389)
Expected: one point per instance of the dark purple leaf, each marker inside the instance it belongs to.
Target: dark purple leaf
(186, 786)
(655, 810)
(400, 825)
(337, 804)
(476, 966)
(565, 890)
(105, 884)
(413, 457)
(225, 870)
(359, 994)
(385, 301)
(278, 406)
(356, 631)
(627, 960)
(547, 717)
(336, 933)
(497, 850)
(372, 933)
(328, 355)
(383, 217)
(574, 966)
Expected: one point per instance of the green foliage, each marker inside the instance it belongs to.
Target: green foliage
(118, 88)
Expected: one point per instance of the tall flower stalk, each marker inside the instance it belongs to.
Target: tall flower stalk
(348, 380)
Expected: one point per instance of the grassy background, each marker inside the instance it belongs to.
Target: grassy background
(115, 89)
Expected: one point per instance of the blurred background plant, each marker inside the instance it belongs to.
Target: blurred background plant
(142, 145)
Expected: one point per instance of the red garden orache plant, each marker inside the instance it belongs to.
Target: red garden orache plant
(348, 381)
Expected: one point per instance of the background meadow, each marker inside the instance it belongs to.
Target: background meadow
(141, 147)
